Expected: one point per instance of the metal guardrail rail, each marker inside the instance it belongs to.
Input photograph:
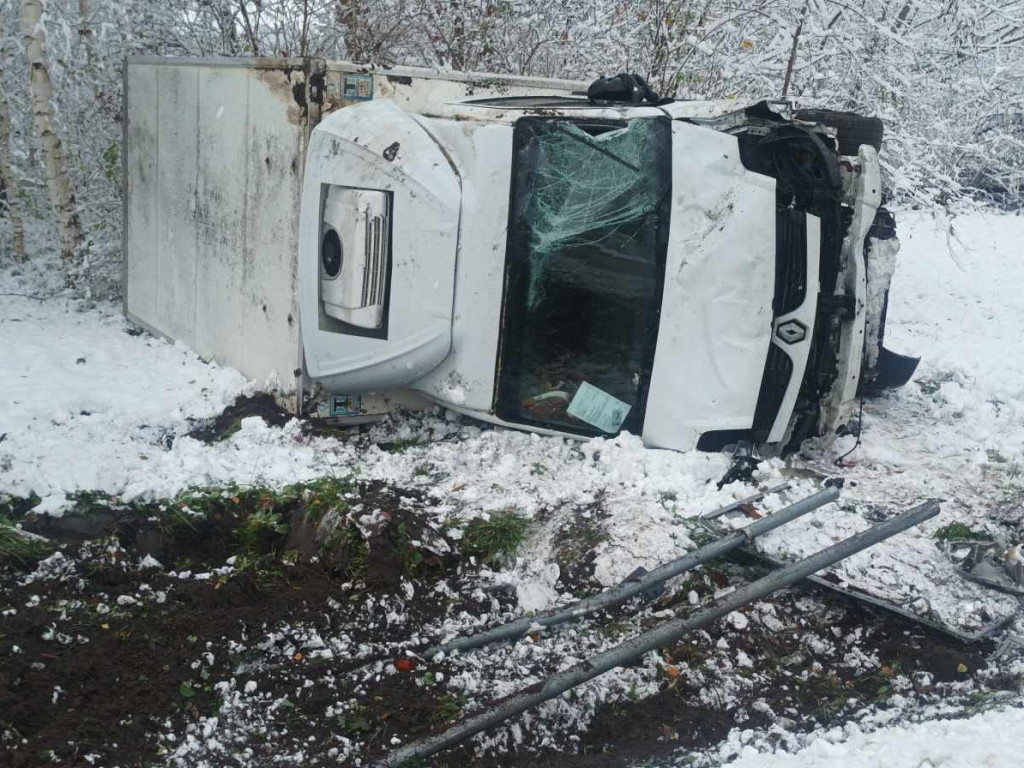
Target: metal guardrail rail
(665, 634)
(641, 584)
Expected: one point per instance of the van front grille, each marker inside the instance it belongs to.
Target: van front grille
(778, 370)
(790, 260)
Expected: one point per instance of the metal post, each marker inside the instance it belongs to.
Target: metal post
(666, 634)
(623, 592)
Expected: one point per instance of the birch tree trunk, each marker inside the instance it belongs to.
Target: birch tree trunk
(85, 33)
(10, 183)
(68, 225)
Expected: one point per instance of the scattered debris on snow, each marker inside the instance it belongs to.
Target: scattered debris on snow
(119, 423)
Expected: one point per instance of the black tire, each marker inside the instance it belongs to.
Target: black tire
(852, 129)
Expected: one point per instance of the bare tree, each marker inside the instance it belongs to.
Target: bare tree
(10, 196)
(85, 31)
(792, 53)
(69, 227)
(251, 24)
(373, 31)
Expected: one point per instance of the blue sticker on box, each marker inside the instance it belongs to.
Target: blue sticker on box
(345, 405)
(599, 409)
(357, 87)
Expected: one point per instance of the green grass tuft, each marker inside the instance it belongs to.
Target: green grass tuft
(18, 549)
(955, 531)
(400, 445)
(15, 507)
(449, 707)
(321, 496)
(496, 539)
(259, 529)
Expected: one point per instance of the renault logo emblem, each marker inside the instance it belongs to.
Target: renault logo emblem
(791, 331)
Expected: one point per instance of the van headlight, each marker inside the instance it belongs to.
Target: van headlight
(330, 253)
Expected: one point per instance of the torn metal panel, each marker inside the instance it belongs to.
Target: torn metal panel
(881, 266)
(917, 611)
(991, 564)
(866, 196)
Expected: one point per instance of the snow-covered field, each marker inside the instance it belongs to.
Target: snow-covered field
(86, 405)
(955, 433)
(990, 740)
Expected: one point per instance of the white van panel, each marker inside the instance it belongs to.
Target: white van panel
(213, 167)
(716, 314)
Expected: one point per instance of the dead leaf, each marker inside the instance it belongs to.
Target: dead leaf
(750, 511)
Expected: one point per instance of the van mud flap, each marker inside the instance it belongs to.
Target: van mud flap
(893, 369)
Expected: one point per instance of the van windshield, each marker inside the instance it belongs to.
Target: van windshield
(588, 228)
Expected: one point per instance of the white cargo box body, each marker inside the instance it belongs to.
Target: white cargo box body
(214, 155)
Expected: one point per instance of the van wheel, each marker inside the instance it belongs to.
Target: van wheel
(852, 129)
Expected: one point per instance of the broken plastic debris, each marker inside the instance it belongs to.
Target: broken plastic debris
(990, 563)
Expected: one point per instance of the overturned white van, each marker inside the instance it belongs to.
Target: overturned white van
(701, 274)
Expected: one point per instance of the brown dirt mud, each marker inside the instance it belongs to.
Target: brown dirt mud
(106, 656)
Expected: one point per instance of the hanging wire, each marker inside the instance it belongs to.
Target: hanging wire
(860, 431)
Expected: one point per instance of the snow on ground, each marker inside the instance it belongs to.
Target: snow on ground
(87, 406)
(956, 432)
(991, 739)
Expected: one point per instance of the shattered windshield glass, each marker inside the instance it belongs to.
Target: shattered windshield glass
(588, 228)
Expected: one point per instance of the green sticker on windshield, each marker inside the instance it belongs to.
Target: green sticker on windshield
(598, 408)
